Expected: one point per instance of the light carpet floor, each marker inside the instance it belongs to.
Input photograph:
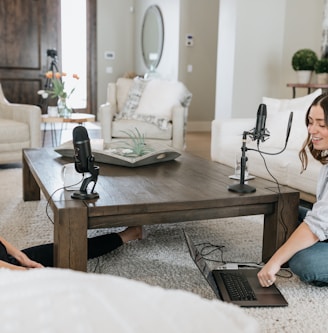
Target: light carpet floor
(163, 259)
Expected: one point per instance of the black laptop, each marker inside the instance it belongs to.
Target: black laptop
(237, 286)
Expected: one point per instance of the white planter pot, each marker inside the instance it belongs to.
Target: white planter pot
(322, 78)
(304, 77)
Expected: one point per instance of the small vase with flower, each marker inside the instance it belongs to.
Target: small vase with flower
(57, 89)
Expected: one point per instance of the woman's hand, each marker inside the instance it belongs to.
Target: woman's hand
(267, 275)
(25, 261)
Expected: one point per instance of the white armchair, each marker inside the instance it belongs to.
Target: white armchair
(20, 127)
(157, 108)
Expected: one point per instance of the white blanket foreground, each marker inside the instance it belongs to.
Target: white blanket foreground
(58, 300)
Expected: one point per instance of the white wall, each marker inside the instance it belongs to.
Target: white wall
(250, 58)
(257, 39)
(200, 19)
(169, 64)
(115, 26)
(119, 30)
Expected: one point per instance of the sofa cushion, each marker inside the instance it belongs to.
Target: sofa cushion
(14, 135)
(278, 113)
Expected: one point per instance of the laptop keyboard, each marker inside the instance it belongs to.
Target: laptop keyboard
(237, 286)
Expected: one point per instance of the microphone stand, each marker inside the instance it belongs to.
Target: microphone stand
(242, 187)
(83, 193)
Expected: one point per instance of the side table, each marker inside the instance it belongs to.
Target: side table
(77, 118)
(308, 86)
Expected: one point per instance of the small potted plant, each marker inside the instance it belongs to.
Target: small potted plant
(303, 61)
(321, 69)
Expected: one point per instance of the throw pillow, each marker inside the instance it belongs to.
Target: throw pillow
(132, 99)
(160, 96)
(278, 111)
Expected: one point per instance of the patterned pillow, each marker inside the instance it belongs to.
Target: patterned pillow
(132, 99)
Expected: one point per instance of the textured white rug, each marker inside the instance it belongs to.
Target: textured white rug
(163, 259)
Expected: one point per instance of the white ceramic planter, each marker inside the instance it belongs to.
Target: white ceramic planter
(322, 78)
(304, 77)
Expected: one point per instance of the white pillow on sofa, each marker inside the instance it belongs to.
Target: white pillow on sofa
(160, 96)
(278, 111)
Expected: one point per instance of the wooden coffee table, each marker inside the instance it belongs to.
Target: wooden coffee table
(186, 189)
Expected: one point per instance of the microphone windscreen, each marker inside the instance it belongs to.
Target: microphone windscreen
(262, 109)
(80, 134)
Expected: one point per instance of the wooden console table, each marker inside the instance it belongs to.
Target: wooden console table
(308, 86)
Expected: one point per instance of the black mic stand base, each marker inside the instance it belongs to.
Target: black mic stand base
(241, 188)
(85, 196)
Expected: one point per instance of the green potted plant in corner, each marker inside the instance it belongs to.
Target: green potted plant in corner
(321, 69)
(303, 62)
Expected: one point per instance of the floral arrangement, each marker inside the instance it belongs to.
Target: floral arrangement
(57, 85)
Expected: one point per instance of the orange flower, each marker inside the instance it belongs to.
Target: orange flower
(49, 75)
(58, 86)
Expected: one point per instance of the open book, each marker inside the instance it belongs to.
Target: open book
(116, 153)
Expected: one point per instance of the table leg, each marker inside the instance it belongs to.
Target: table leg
(44, 133)
(294, 92)
(70, 236)
(279, 225)
(31, 189)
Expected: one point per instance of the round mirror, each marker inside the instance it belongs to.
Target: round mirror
(152, 37)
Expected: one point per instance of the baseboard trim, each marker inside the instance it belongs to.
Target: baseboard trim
(199, 126)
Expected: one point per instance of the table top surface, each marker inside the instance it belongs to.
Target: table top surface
(75, 118)
(307, 85)
(189, 182)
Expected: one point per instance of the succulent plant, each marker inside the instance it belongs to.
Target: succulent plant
(137, 146)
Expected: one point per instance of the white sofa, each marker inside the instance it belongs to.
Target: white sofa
(20, 127)
(157, 108)
(226, 142)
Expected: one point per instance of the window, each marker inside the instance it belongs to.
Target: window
(74, 49)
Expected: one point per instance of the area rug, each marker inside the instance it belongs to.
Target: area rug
(163, 259)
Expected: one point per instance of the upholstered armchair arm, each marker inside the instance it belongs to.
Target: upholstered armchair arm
(179, 119)
(111, 96)
(29, 114)
(106, 115)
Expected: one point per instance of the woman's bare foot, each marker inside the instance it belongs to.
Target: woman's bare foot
(131, 233)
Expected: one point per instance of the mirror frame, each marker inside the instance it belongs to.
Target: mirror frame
(152, 14)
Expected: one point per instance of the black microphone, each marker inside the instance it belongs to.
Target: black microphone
(289, 126)
(82, 149)
(259, 132)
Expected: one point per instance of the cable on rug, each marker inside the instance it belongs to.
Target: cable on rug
(208, 248)
(53, 193)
